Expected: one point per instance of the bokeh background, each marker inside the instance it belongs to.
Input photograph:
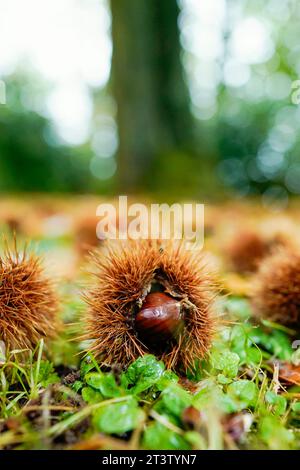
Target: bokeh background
(187, 99)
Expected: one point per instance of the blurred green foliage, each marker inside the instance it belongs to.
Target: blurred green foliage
(238, 134)
(28, 159)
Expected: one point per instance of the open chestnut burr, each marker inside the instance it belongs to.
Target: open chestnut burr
(150, 297)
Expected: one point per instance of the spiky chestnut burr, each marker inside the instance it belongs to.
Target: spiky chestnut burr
(276, 291)
(150, 297)
(28, 302)
(85, 234)
(246, 250)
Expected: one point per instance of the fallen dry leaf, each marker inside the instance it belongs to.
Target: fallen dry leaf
(289, 373)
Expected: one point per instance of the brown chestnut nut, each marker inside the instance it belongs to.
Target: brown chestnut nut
(160, 319)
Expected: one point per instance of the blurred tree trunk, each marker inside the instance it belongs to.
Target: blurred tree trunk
(149, 87)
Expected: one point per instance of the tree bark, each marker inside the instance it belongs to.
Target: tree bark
(148, 84)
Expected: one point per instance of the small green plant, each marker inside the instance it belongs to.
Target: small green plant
(233, 399)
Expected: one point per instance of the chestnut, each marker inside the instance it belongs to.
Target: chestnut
(160, 319)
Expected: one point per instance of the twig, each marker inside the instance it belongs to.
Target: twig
(276, 383)
(50, 408)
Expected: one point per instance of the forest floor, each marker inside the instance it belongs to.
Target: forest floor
(245, 395)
